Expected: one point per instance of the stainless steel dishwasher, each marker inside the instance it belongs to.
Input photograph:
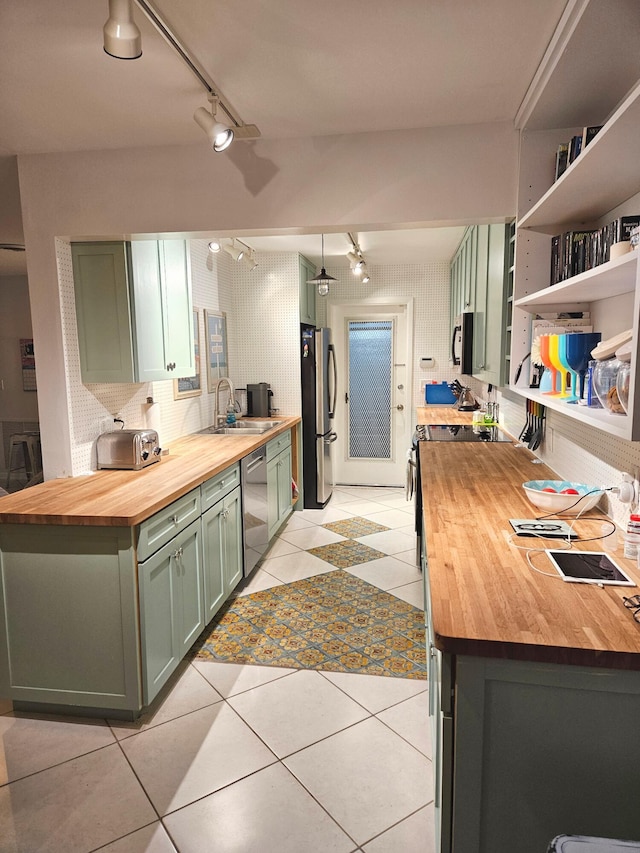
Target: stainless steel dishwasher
(255, 531)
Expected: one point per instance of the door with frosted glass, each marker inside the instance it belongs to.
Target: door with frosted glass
(371, 402)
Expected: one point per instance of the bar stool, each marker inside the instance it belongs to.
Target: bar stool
(29, 444)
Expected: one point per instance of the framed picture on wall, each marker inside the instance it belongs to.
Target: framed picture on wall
(215, 324)
(191, 386)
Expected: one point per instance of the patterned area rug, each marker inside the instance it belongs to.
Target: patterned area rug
(333, 621)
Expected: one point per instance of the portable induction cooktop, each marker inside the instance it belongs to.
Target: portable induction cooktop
(545, 528)
(464, 432)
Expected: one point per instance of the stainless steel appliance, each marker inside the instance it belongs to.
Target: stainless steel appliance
(255, 532)
(130, 449)
(259, 397)
(441, 432)
(462, 342)
(319, 383)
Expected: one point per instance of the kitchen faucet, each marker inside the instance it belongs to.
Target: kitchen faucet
(217, 417)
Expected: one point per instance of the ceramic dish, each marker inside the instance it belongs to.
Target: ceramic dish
(555, 501)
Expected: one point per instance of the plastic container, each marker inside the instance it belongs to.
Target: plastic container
(592, 397)
(605, 377)
(632, 537)
(231, 414)
(622, 384)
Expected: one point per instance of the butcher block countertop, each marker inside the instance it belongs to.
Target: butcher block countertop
(442, 415)
(110, 498)
(485, 598)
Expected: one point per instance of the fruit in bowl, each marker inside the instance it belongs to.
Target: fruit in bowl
(555, 496)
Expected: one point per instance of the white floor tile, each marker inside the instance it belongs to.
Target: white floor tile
(229, 679)
(388, 541)
(189, 693)
(386, 572)
(34, 742)
(257, 581)
(311, 537)
(296, 522)
(193, 756)
(393, 518)
(361, 507)
(415, 834)
(281, 547)
(296, 567)
(376, 692)
(269, 812)
(409, 556)
(413, 593)
(410, 719)
(340, 497)
(366, 777)
(396, 502)
(151, 839)
(324, 516)
(78, 806)
(294, 712)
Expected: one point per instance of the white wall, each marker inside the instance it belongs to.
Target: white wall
(437, 175)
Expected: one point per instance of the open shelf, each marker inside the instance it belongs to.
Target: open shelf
(617, 425)
(605, 174)
(611, 279)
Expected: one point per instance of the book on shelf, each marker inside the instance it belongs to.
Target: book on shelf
(562, 159)
(561, 316)
(575, 252)
(588, 133)
(575, 147)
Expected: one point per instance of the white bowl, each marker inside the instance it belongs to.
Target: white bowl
(557, 502)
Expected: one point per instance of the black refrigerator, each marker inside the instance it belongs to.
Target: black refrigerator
(319, 382)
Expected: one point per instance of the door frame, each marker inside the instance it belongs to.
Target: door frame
(362, 305)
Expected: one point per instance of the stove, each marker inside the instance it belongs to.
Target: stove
(458, 432)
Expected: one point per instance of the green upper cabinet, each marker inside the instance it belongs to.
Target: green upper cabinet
(478, 274)
(134, 310)
(307, 292)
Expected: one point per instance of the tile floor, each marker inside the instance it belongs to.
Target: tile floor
(238, 758)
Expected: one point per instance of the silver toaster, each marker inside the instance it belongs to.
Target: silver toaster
(130, 449)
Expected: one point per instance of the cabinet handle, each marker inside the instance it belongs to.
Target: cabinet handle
(178, 558)
(174, 519)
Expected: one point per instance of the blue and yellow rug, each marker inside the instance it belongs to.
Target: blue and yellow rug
(333, 621)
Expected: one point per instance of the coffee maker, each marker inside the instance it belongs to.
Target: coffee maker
(259, 400)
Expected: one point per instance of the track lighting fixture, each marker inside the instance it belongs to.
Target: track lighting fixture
(122, 38)
(220, 135)
(250, 259)
(365, 275)
(236, 253)
(214, 246)
(356, 262)
(322, 280)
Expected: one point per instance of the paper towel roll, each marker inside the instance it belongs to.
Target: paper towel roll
(154, 417)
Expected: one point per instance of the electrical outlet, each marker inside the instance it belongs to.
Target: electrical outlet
(106, 424)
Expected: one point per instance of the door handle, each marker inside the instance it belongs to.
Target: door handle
(331, 438)
(400, 407)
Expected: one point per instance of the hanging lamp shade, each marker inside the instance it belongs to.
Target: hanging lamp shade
(323, 279)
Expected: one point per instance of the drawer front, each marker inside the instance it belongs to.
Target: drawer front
(277, 445)
(163, 526)
(219, 486)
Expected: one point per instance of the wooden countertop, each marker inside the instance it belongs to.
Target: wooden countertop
(442, 415)
(485, 598)
(110, 498)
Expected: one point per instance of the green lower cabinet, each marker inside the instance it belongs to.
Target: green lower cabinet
(278, 490)
(171, 607)
(222, 545)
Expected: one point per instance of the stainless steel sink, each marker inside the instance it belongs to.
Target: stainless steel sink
(251, 427)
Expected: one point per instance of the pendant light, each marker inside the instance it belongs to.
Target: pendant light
(323, 279)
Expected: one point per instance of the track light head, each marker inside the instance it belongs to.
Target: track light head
(250, 259)
(365, 275)
(236, 253)
(220, 135)
(214, 246)
(122, 38)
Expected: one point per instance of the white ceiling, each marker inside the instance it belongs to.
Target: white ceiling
(294, 68)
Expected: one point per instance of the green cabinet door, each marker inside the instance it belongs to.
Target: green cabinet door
(307, 291)
(222, 545)
(278, 490)
(133, 310)
(171, 607)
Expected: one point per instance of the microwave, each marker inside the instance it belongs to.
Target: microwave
(462, 342)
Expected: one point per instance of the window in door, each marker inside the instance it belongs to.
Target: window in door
(370, 344)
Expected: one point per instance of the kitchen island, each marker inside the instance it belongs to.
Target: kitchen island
(108, 579)
(534, 683)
